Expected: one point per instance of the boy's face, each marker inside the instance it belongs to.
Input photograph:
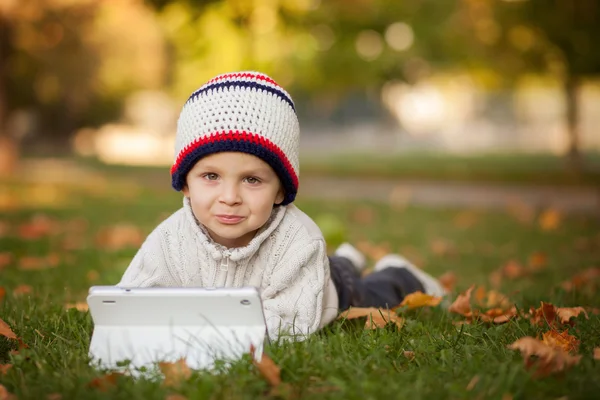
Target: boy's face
(232, 194)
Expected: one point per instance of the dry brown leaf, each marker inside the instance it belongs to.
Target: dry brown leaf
(550, 219)
(267, 368)
(462, 304)
(54, 396)
(409, 354)
(547, 359)
(5, 394)
(2, 293)
(40, 225)
(597, 353)
(376, 317)
(561, 340)
(175, 372)
(6, 331)
(176, 397)
(442, 247)
(105, 382)
(22, 289)
(363, 215)
(419, 299)
(448, 280)
(566, 313)
(537, 261)
(513, 270)
(31, 263)
(472, 383)
(119, 236)
(4, 368)
(80, 306)
(543, 316)
(498, 315)
(5, 259)
(588, 277)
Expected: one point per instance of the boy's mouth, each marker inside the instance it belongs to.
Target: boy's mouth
(229, 219)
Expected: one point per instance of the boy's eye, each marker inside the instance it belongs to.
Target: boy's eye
(252, 180)
(211, 176)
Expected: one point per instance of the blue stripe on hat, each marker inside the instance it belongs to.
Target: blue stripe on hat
(178, 178)
(242, 84)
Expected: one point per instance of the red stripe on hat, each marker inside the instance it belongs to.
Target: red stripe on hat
(238, 136)
(243, 75)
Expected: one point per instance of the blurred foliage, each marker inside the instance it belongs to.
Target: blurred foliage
(73, 62)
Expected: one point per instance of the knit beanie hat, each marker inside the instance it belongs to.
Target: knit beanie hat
(242, 111)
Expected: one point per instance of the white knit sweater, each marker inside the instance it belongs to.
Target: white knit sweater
(286, 260)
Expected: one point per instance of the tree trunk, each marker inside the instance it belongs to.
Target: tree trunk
(9, 149)
(571, 92)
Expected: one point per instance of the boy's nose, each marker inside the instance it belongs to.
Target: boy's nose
(230, 194)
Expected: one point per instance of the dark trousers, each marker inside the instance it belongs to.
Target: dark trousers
(385, 288)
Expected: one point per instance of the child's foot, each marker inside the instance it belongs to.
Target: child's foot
(349, 252)
(431, 285)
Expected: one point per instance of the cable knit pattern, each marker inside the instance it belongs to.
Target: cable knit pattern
(286, 261)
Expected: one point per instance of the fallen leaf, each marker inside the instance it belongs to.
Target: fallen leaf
(54, 396)
(22, 289)
(6, 331)
(2, 293)
(40, 225)
(495, 278)
(549, 220)
(544, 359)
(31, 263)
(537, 261)
(442, 247)
(561, 340)
(105, 382)
(5, 259)
(376, 317)
(495, 299)
(409, 354)
(175, 372)
(584, 278)
(462, 304)
(419, 299)
(543, 316)
(4, 368)
(513, 270)
(363, 215)
(267, 368)
(119, 236)
(176, 397)
(597, 353)
(498, 315)
(472, 383)
(448, 280)
(507, 396)
(566, 313)
(5, 394)
(80, 306)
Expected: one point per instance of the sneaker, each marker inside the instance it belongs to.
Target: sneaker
(431, 285)
(351, 253)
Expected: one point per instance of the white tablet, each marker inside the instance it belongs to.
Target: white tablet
(144, 326)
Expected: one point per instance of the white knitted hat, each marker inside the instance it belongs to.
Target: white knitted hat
(242, 111)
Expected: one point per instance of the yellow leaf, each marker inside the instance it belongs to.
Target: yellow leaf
(80, 306)
(561, 341)
(544, 359)
(376, 317)
(420, 299)
(566, 313)
(268, 369)
(550, 219)
(175, 373)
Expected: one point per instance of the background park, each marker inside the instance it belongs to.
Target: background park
(463, 134)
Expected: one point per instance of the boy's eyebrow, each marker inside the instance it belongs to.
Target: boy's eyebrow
(248, 171)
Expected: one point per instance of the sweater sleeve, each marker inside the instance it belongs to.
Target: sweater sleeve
(150, 266)
(293, 298)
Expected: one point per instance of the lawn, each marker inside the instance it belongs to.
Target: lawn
(58, 239)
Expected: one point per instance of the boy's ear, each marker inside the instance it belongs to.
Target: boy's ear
(280, 196)
(186, 190)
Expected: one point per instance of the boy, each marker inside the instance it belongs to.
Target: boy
(236, 162)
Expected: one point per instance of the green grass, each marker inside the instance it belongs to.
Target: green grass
(501, 168)
(343, 361)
